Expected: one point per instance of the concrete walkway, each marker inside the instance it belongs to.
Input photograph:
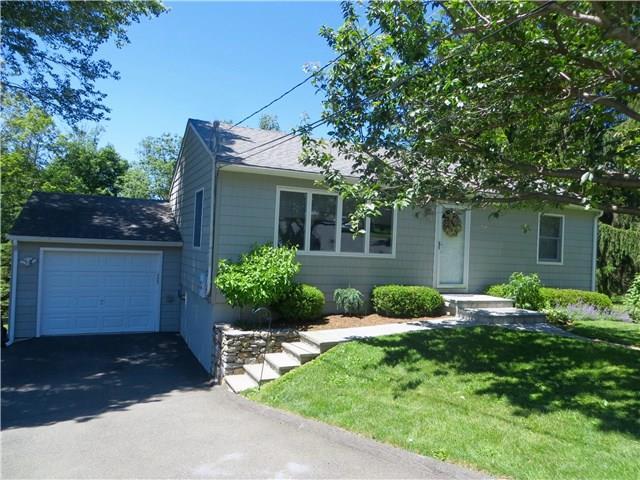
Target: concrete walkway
(140, 406)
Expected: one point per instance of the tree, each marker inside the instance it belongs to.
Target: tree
(485, 103)
(135, 184)
(158, 157)
(83, 167)
(48, 50)
(269, 122)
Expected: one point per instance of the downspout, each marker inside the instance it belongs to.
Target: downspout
(14, 290)
(595, 251)
(212, 216)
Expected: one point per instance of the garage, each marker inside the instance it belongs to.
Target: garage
(89, 265)
(99, 291)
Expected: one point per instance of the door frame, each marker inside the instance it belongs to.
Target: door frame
(43, 250)
(466, 249)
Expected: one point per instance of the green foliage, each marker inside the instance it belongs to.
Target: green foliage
(482, 103)
(135, 184)
(632, 299)
(349, 300)
(269, 122)
(498, 290)
(406, 301)
(261, 278)
(524, 290)
(618, 258)
(302, 304)
(48, 51)
(158, 157)
(562, 297)
(557, 316)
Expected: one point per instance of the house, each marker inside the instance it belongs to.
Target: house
(99, 265)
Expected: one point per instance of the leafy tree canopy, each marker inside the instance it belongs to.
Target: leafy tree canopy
(485, 103)
(158, 157)
(269, 122)
(135, 184)
(48, 48)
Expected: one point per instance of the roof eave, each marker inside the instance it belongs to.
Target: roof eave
(94, 241)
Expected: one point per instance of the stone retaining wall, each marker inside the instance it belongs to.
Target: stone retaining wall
(234, 348)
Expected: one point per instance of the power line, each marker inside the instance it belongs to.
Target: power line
(398, 83)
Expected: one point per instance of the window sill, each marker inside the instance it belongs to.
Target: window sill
(550, 262)
(345, 254)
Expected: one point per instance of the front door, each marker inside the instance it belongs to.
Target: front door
(452, 247)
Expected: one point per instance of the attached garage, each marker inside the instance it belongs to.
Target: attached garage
(94, 265)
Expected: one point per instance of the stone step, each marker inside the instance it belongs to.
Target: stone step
(455, 302)
(303, 351)
(240, 383)
(281, 362)
(255, 370)
(501, 315)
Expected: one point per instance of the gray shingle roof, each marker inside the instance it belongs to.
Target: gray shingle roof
(96, 217)
(234, 142)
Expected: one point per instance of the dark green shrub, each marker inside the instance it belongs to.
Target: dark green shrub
(349, 300)
(260, 278)
(562, 297)
(303, 303)
(406, 301)
(632, 299)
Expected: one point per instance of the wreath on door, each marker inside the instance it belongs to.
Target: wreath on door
(451, 223)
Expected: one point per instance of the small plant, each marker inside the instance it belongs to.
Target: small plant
(303, 303)
(557, 316)
(406, 301)
(525, 290)
(632, 299)
(260, 278)
(349, 300)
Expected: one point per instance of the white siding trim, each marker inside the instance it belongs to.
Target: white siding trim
(307, 233)
(14, 290)
(93, 241)
(279, 172)
(159, 253)
(548, 262)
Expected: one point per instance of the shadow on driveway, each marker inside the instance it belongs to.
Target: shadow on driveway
(55, 379)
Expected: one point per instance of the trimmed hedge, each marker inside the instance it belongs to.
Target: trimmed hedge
(304, 303)
(561, 297)
(406, 301)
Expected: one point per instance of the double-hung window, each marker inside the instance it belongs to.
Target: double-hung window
(319, 222)
(550, 238)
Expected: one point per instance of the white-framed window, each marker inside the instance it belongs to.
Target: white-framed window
(317, 222)
(197, 218)
(550, 238)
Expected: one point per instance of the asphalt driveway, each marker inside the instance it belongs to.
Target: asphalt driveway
(124, 406)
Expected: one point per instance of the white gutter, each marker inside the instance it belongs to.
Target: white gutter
(214, 177)
(93, 241)
(14, 290)
(595, 251)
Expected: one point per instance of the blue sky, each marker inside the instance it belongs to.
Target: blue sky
(214, 60)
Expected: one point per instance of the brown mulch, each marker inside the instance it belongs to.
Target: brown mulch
(342, 321)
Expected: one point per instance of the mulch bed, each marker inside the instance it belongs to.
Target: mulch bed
(342, 321)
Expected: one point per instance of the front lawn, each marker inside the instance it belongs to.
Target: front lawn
(615, 331)
(516, 404)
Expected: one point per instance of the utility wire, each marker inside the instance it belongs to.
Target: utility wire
(396, 84)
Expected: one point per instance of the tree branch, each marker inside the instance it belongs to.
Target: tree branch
(610, 102)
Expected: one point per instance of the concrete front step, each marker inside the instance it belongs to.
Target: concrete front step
(501, 315)
(281, 362)
(302, 351)
(455, 302)
(256, 372)
(240, 383)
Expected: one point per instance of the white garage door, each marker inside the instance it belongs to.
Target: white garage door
(92, 291)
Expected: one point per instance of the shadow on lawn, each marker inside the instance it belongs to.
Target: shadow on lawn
(536, 373)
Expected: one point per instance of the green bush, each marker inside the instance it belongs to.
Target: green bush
(632, 299)
(525, 290)
(260, 278)
(557, 316)
(303, 303)
(498, 290)
(406, 301)
(349, 300)
(562, 297)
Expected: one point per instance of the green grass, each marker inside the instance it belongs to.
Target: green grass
(608, 330)
(516, 404)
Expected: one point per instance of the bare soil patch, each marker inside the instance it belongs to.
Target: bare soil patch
(343, 321)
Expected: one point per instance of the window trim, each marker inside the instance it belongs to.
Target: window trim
(307, 234)
(550, 262)
(195, 210)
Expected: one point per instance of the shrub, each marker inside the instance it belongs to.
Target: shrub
(524, 290)
(349, 300)
(558, 316)
(562, 297)
(632, 299)
(303, 303)
(260, 278)
(498, 290)
(406, 301)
